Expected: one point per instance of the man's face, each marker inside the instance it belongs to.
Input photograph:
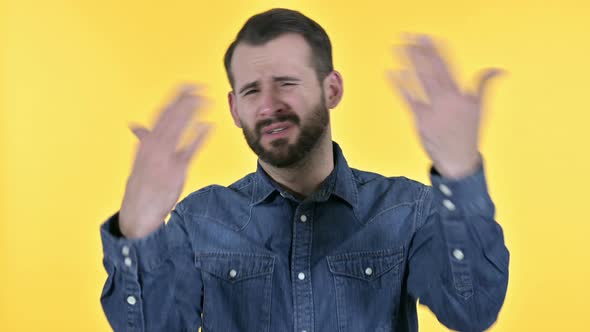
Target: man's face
(277, 99)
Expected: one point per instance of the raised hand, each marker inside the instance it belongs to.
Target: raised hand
(159, 170)
(448, 119)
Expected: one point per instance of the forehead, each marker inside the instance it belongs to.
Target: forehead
(288, 54)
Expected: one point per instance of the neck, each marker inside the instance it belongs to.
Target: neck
(306, 176)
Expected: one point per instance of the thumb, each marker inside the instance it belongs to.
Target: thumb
(484, 79)
(139, 131)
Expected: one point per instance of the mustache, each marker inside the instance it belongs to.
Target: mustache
(280, 118)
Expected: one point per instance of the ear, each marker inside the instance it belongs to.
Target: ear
(333, 89)
(231, 98)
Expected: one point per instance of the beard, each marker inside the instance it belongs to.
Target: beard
(282, 154)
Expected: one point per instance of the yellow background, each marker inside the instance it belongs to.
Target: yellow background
(74, 73)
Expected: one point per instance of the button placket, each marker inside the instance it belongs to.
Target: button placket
(125, 251)
(301, 247)
(459, 262)
(445, 190)
(449, 205)
(458, 254)
(128, 261)
(131, 300)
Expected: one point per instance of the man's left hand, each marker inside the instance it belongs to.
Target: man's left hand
(448, 118)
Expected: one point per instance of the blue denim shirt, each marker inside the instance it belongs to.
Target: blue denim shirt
(354, 256)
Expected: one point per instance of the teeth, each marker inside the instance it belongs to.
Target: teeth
(277, 130)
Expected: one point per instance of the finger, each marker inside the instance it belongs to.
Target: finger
(179, 119)
(423, 69)
(401, 82)
(203, 129)
(484, 80)
(139, 131)
(432, 71)
(408, 78)
(440, 67)
(168, 111)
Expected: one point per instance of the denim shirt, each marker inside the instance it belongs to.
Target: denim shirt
(354, 256)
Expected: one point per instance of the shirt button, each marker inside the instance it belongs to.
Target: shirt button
(303, 218)
(449, 205)
(233, 273)
(131, 300)
(127, 261)
(368, 271)
(445, 190)
(125, 251)
(458, 254)
(301, 276)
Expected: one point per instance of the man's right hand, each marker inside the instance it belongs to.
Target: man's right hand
(159, 170)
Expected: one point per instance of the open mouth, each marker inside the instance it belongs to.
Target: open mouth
(277, 130)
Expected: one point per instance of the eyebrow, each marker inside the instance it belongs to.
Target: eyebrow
(274, 78)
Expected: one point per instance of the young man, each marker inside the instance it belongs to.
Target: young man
(306, 243)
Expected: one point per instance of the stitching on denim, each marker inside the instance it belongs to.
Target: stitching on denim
(425, 193)
(230, 253)
(396, 262)
(207, 217)
(198, 216)
(309, 262)
(254, 190)
(341, 318)
(248, 181)
(389, 209)
(356, 200)
(366, 254)
(250, 212)
(293, 285)
(269, 295)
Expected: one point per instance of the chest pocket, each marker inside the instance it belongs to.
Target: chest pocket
(368, 286)
(236, 291)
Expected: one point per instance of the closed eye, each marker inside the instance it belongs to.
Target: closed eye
(250, 92)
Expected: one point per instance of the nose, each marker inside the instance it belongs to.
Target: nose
(270, 104)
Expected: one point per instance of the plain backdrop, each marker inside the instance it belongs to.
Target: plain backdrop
(74, 73)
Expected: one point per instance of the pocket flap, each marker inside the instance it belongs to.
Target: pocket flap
(234, 266)
(366, 265)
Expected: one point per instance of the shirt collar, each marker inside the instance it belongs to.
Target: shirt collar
(340, 183)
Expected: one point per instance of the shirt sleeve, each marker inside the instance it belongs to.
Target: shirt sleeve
(458, 262)
(152, 283)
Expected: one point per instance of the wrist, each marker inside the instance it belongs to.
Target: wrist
(134, 227)
(459, 170)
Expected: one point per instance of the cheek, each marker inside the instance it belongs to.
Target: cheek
(308, 104)
(248, 122)
(298, 102)
(242, 111)
(310, 95)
